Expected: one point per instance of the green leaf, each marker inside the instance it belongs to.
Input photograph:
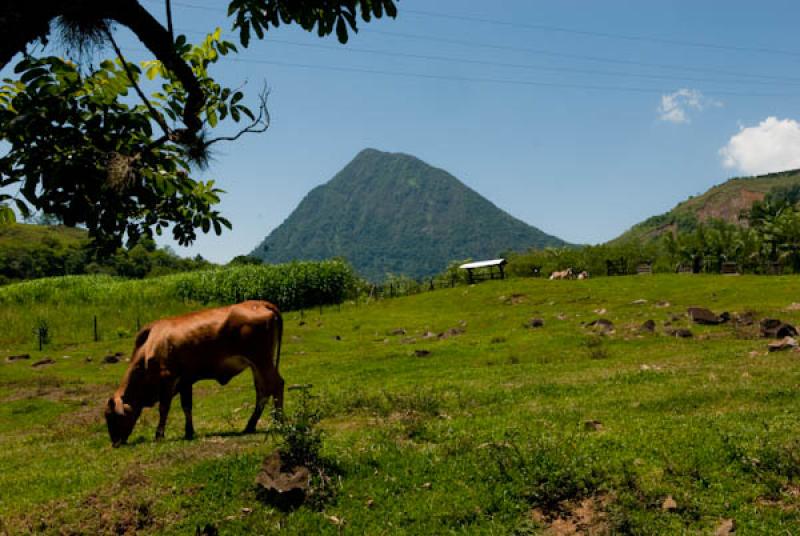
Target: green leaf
(211, 115)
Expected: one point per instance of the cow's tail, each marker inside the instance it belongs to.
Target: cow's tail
(279, 329)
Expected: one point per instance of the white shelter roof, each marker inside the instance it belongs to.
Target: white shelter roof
(483, 264)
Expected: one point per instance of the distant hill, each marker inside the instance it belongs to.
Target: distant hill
(725, 201)
(29, 251)
(393, 213)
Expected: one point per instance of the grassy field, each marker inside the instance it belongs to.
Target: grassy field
(500, 429)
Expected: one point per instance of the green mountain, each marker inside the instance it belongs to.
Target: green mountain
(393, 213)
(725, 201)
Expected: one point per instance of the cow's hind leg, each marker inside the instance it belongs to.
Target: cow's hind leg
(262, 394)
(186, 404)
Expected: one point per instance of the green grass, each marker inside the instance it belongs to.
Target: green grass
(486, 434)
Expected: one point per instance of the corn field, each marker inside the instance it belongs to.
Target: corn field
(72, 306)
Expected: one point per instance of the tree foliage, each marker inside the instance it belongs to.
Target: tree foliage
(81, 150)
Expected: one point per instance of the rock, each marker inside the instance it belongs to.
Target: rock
(452, 332)
(784, 344)
(682, 333)
(601, 325)
(43, 362)
(422, 353)
(700, 315)
(534, 323)
(18, 357)
(669, 503)
(663, 304)
(793, 307)
(429, 335)
(641, 301)
(775, 329)
(725, 528)
(281, 486)
(649, 326)
(398, 331)
(337, 337)
(111, 359)
(747, 318)
(593, 426)
(89, 359)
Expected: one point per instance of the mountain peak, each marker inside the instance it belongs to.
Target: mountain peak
(393, 213)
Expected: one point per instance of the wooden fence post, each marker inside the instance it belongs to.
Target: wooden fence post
(96, 338)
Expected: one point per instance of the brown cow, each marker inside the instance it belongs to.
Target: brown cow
(173, 353)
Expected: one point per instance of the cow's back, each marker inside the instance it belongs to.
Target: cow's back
(212, 344)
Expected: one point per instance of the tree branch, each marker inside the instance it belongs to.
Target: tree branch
(259, 124)
(157, 39)
(156, 116)
(169, 21)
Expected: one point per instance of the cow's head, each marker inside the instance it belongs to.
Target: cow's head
(120, 418)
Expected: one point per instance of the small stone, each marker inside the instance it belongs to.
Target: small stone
(426, 485)
(649, 326)
(534, 323)
(725, 528)
(682, 333)
(602, 326)
(593, 426)
(775, 329)
(641, 301)
(669, 503)
(422, 353)
(398, 331)
(43, 362)
(18, 357)
(111, 358)
(784, 344)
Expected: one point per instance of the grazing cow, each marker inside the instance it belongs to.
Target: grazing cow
(583, 275)
(566, 274)
(173, 353)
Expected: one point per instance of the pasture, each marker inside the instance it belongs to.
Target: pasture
(492, 428)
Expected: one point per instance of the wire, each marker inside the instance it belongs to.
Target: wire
(757, 78)
(562, 29)
(608, 35)
(600, 59)
(451, 59)
(536, 83)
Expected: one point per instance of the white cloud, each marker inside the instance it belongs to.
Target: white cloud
(773, 145)
(674, 106)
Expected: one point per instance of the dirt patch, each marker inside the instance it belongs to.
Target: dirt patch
(125, 507)
(587, 516)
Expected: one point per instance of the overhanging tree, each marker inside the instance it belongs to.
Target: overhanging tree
(79, 147)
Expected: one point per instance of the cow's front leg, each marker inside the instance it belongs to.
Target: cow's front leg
(164, 402)
(186, 404)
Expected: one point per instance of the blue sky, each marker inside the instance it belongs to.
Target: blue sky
(581, 118)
